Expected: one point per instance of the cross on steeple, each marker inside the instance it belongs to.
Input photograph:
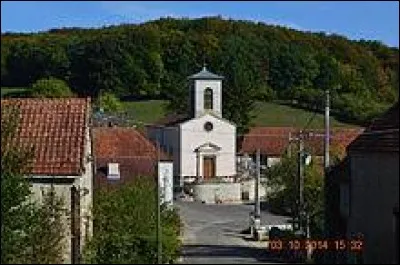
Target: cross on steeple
(204, 63)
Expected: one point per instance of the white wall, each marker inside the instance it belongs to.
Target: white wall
(217, 192)
(194, 135)
(63, 191)
(200, 86)
(248, 189)
(374, 191)
(271, 161)
(85, 182)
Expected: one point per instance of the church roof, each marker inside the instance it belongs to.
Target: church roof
(172, 119)
(205, 74)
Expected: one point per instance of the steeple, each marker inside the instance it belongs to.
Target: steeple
(206, 93)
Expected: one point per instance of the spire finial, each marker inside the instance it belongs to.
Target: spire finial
(204, 63)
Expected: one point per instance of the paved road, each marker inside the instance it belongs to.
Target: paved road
(212, 234)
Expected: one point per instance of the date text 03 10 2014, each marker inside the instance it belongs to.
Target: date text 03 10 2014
(308, 244)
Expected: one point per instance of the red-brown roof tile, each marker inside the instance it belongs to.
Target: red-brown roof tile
(134, 153)
(381, 136)
(56, 129)
(273, 141)
(270, 140)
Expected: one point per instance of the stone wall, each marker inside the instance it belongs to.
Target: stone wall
(217, 192)
(248, 190)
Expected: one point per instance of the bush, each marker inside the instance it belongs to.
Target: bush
(125, 226)
(109, 102)
(51, 88)
(284, 200)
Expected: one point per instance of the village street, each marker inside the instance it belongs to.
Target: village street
(212, 234)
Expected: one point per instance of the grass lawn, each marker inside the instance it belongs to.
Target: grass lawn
(266, 114)
(13, 91)
(275, 115)
(147, 111)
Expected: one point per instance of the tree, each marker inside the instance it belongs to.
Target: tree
(109, 102)
(50, 88)
(125, 226)
(283, 177)
(242, 79)
(48, 237)
(16, 210)
(153, 59)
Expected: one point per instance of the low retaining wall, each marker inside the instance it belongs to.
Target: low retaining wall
(248, 192)
(217, 192)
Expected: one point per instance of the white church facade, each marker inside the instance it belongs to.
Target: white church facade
(202, 143)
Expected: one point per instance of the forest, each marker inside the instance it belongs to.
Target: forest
(260, 62)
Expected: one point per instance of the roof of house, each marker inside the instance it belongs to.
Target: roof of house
(381, 136)
(206, 75)
(273, 141)
(135, 154)
(56, 128)
(270, 140)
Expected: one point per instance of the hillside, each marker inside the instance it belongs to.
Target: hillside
(260, 62)
(265, 114)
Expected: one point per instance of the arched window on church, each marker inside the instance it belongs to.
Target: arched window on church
(208, 99)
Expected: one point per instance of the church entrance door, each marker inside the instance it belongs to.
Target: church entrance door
(208, 167)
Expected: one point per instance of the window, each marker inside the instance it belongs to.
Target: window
(113, 171)
(208, 99)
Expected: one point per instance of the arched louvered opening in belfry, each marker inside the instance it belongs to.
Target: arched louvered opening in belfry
(208, 99)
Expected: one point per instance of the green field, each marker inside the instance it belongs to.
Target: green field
(266, 114)
(13, 91)
(275, 115)
(148, 111)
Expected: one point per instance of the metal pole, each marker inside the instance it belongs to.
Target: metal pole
(256, 187)
(327, 133)
(309, 250)
(301, 179)
(159, 245)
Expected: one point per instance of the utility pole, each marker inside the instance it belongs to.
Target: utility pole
(301, 180)
(256, 190)
(255, 221)
(327, 133)
(159, 245)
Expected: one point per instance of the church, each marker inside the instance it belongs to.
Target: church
(202, 144)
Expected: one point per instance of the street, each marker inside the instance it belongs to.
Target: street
(212, 234)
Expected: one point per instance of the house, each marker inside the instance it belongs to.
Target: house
(201, 142)
(273, 142)
(59, 131)
(122, 155)
(370, 196)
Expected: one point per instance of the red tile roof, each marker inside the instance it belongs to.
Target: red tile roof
(136, 155)
(56, 129)
(273, 141)
(381, 136)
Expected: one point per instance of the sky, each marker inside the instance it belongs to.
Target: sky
(371, 20)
